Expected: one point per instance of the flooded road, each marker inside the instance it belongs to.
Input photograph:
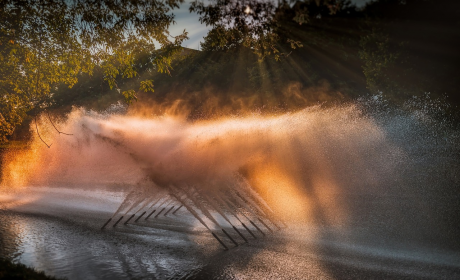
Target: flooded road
(58, 231)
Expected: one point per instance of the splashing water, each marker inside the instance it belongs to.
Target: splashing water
(308, 165)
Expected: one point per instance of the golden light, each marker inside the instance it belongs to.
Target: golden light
(298, 162)
(248, 10)
(281, 192)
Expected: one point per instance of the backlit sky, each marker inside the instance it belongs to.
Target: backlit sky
(196, 31)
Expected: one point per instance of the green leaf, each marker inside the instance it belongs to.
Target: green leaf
(147, 86)
(130, 96)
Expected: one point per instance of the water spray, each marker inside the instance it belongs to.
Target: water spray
(228, 235)
(220, 241)
(200, 206)
(150, 214)
(158, 200)
(260, 220)
(253, 235)
(252, 223)
(261, 205)
(135, 204)
(106, 223)
(276, 155)
(216, 207)
(156, 216)
(172, 207)
(154, 210)
(252, 206)
(229, 207)
(145, 203)
(132, 216)
(195, 214)
(143, 213)
(242, 236)
(114, 225)
(125, 201)
(244, 184)
(174, 213)
(191, 210)
(204, 210)
(242, 212)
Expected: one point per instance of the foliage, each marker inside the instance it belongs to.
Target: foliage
(251, 24)
(9, 270)
(345, 54)
(47, 44)
(257, 25)
(378, 59)
(114, 47)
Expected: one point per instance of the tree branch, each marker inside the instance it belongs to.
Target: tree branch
(39, 133)
(47, 113)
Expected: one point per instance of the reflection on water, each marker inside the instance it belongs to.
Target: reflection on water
(59, 234)
(62, 249)
(65, 241)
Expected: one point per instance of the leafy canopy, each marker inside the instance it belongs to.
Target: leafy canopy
(47, 43)
(253, 24)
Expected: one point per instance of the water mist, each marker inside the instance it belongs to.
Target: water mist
(307, 166)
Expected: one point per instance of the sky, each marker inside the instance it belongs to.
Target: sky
(196, 31)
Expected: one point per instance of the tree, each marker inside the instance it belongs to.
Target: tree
(48, 43)
(257, 25)
(378, 59)
(251, 24)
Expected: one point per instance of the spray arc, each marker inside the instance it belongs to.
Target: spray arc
(208, 207)
(236, 174)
